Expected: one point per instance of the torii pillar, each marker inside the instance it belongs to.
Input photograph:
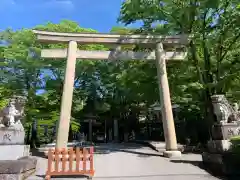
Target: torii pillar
(166, 106)
(66, 102)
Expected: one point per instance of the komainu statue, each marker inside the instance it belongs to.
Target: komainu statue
(11, 114)
(224, 112)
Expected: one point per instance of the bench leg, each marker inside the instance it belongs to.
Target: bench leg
(89, 177)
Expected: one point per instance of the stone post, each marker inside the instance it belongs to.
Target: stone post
(166, 107)
(34, 138)
(110, 135)
(45, 130)
(90, 133)
(66, 104)
(105, 131)
(115, 130)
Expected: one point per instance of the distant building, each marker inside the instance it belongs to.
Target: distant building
(155, 111)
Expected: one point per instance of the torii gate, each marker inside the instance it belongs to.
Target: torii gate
(72, 53)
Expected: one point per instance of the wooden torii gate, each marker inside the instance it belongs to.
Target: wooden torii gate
(72, 53)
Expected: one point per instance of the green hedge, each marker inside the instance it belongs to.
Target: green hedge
(235, 148)
(232, 158)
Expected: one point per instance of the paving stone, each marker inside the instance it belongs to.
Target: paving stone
(137, 162)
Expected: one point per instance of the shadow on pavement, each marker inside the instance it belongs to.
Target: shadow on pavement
(112, 148)
(201, 165)
(37, 153)
(141, 154)
(127, 148)
(134, 177)
(65, 176)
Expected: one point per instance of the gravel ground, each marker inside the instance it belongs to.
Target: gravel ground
(136, 162)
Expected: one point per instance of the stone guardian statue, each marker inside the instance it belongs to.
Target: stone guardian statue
(11, 115)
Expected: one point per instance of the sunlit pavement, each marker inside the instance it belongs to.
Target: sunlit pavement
(136, 162)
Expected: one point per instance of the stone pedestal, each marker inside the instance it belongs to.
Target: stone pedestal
(172, 154)
(14, 152)
(11, 136)
(218, 157)
(218, 146)
(15, 162)
(12, 143)
(225, 131)
(226, 163)
(221, 135)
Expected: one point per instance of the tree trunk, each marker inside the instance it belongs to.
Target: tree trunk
(205, 77)
(208, 112)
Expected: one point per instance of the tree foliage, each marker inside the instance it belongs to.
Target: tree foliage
(122, 89)
(101, 87)
(213, 58)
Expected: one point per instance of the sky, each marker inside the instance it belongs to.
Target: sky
(100, 15)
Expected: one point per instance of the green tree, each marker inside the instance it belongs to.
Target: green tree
(26, 73)
(213, 47)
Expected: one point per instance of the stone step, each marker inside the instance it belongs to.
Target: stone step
(70, 144)
(158, 145)
(46, 147)
(17, 169)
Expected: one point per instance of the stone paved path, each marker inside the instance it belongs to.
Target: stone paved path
(136, 162)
